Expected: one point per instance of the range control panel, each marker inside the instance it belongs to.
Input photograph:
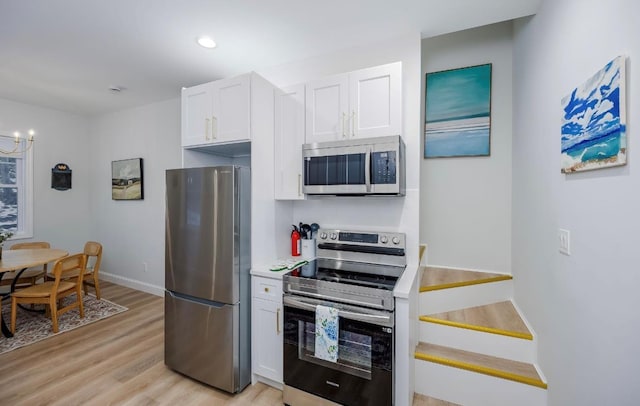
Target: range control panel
(363, 238)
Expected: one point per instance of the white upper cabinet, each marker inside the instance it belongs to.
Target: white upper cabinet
(375, 100)
(216, 112)
(197, 109)
(289, 137)
(363, 103)
(327, 106)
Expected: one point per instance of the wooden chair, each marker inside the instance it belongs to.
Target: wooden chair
(30, 276)
(93, 251)
(48, 293)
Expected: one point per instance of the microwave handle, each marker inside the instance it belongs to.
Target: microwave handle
(367, 170)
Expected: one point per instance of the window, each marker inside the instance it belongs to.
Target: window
(16, 188)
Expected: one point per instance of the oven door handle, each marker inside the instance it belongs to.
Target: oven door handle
(383, 320)
(319, 296)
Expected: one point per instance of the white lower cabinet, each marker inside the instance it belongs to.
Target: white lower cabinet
(266, 329)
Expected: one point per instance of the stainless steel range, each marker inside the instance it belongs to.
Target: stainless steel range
(355, 273)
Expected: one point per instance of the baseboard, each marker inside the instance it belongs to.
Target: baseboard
(132, 283)
(259, 378)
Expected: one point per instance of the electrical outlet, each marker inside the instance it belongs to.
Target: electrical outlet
(144, 266)
(564, 242)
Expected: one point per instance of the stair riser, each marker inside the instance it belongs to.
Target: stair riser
(445, 300)
(497, 345)
(474, 389)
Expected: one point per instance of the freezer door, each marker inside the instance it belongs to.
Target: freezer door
(201, 341)
(202, 233)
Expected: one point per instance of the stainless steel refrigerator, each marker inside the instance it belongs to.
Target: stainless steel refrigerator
(207, 285)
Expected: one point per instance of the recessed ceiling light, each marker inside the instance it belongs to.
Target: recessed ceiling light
(206, 42)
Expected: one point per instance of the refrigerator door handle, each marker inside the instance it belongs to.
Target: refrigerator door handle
(196, 300)
(216, 206)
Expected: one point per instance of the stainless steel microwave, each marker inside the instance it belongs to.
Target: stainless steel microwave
(359, 166)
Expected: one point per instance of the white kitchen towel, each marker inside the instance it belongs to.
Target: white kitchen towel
(326, 333)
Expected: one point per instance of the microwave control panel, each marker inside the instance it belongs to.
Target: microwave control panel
(383, 168)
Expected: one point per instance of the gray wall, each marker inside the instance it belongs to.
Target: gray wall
(132, 232)
(465, 202)
(61, 217)
(584, 306)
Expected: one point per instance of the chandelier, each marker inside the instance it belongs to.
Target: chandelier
(26, 142)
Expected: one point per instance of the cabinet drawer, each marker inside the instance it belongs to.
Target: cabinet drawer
(266, 288)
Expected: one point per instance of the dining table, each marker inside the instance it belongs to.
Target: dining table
(21, 260)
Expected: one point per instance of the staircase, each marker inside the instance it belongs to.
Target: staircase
(474, 347)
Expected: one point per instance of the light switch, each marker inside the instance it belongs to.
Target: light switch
(564, 242)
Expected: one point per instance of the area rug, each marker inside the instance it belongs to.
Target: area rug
(33, 327)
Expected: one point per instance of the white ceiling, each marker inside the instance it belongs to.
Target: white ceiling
(65, 54)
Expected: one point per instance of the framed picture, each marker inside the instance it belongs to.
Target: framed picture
(127, 179)
(61, 177)
(593, 132)
(458, 112)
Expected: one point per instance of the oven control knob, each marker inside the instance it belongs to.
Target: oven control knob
(395, 240)
(334, 236)
(384, 239)
(323, 236)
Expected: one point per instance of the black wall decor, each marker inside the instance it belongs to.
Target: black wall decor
(61, 177)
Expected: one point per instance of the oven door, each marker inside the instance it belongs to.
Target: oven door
(363, 374)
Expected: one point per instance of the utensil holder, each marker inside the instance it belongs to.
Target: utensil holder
(308, 248)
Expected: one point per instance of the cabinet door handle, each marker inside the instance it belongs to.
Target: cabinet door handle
(353, 123)
(206, 129)
(214, 127)
(344, 131)
(299, 184)
(278, 321)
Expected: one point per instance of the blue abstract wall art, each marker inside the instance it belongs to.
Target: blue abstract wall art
(594, 121)
(458, 112)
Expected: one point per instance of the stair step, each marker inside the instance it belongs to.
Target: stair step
(436, 278)
(422, 400)
(496, 318)
(485, 364)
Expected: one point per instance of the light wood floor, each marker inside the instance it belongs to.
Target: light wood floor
(510, 367)
(435, 278)
(117, 361)
(421, 400)
(500, 318)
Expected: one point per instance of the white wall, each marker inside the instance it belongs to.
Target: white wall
(132, 232)
(465, 202)
(367, 213)
(60, 217)
(584, 307)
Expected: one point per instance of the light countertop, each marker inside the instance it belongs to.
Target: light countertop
(405, 283)
(265, 272)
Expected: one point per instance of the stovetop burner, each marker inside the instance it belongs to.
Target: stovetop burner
(356, 268)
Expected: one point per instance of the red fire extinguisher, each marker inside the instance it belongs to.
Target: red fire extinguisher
(295, 242)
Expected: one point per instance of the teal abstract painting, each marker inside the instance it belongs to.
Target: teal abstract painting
(594, 121)
(458, 112)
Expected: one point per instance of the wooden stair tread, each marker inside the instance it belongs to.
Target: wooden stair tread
(422, 400)
(496, 318)
(481, 363)
(435, 278)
